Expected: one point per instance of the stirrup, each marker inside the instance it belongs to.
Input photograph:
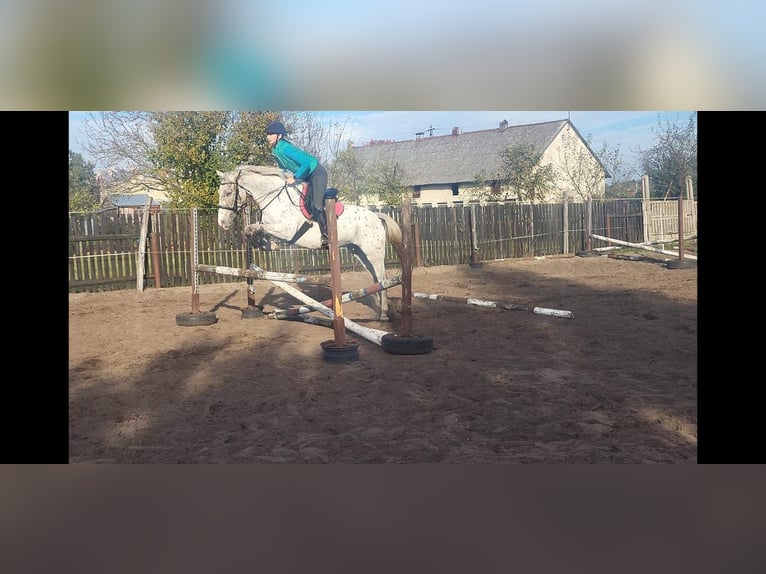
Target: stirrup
(325, 242)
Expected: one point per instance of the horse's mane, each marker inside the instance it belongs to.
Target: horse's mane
(261, 170)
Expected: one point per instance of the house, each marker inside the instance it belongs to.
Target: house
(133, 203)
(131, 194)
(444, 169)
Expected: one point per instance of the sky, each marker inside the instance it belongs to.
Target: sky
(392, 55)
(631, 130)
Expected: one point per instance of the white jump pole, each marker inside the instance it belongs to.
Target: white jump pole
(372, 335)
(640, 246)
(346, 298)
(257, 273)
(510, 306)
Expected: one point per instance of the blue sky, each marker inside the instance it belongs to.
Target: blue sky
(630, 129)
(296, 54)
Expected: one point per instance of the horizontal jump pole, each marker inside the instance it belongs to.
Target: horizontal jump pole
(373, 335)
(258, 273)
(345, 298)
(641, 246)
(323, 321)
(510, 306)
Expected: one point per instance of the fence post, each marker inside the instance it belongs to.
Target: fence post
(141, 262)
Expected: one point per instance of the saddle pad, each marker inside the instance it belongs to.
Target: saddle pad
(339, 207)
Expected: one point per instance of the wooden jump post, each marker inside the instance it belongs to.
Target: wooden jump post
(340, 349)
(195, 261)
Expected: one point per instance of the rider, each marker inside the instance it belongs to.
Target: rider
(304, 166)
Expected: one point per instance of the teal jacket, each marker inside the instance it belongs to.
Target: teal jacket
(289, 157)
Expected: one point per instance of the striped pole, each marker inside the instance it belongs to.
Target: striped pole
(372, 335)
(349, 296)
(510, 306)
(258, 273)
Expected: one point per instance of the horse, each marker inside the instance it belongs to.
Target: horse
(283, 217)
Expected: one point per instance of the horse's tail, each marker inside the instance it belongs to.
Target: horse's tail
(393, 233)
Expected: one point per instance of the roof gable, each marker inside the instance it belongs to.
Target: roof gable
(458, 157)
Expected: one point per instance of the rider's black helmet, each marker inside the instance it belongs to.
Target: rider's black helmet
(276, 128)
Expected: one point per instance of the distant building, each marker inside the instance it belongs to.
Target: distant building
(443, 169)
(129, 204)
(137, 187)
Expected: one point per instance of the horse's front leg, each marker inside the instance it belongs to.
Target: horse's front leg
(258, 238)
(253, 229)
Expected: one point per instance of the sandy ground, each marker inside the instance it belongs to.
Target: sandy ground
(615, 384)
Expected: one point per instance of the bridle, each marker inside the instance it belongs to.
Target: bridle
(236, 208)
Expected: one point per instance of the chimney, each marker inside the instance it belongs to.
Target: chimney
(503, 125)
(455, 131)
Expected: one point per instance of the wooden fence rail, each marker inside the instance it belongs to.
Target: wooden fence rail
(104, 247)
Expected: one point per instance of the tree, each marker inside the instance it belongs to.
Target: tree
(179, 152)
(521, 177)
(672, 158)
(347, 176)
(579, 174)
(83, 184)
(188, 151)
(245, 139)
(384, 181)
(120, 142)
(311, 132)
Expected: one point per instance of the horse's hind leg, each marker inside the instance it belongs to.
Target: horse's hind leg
(375, 268)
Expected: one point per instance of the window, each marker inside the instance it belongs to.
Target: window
(416, 192)
(454, 189)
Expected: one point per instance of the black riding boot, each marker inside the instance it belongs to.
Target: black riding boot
(321, 218)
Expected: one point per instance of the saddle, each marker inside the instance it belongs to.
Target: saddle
(306, 206)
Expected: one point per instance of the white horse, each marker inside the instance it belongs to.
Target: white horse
(363, 231)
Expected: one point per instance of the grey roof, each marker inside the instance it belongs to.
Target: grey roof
(137, 200)
(458, 158)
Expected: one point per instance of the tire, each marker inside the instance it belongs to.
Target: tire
(195, 319)
(332, 352)
(414, 345)
(681, 264)
(588, 254)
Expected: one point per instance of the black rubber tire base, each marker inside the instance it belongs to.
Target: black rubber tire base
(195, 319)
(333, 352)
(412, 345)
(681, 264)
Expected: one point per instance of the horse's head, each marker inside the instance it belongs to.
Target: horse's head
(231, 198)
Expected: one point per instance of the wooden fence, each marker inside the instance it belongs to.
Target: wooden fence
(661, 221)
(104, 247)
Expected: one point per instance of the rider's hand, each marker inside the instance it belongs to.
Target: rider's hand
(290, 180)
